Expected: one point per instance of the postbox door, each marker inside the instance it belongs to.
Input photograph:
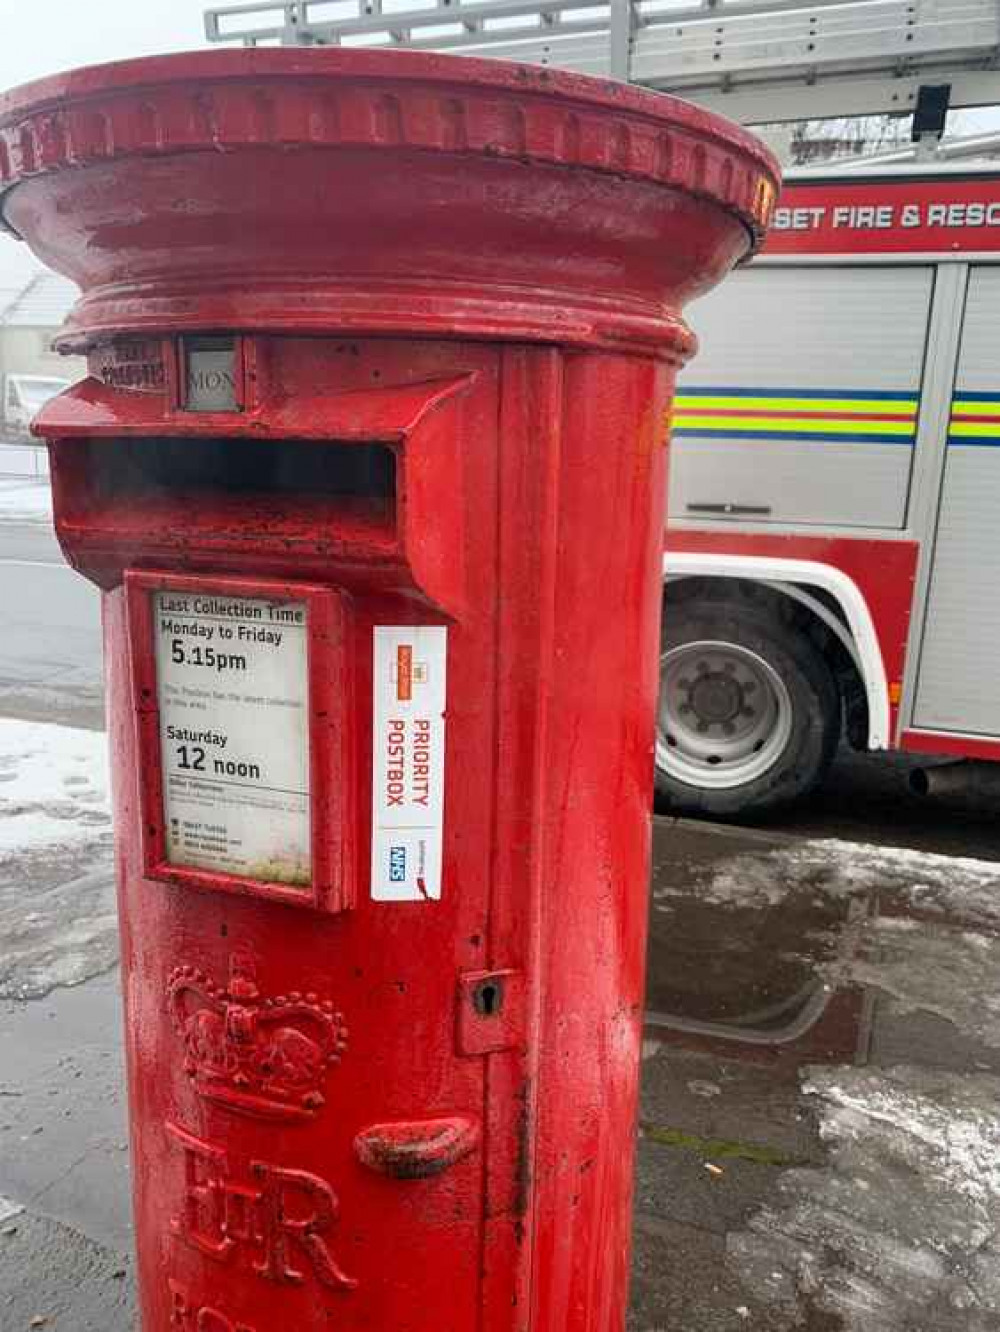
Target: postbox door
(348, 1180)
(328, 1099)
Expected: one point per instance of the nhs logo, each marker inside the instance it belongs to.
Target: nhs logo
(397, 864)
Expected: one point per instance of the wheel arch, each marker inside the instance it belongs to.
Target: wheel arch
(801, 580)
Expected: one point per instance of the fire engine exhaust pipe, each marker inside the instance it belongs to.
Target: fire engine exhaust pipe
(970, 778)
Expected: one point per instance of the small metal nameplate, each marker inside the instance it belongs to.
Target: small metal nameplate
(136, 367)
(210, 375)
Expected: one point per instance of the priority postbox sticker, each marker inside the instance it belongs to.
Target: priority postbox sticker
(410, 688)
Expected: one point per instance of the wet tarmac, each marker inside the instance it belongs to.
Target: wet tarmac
(820, 1098)
(867, 798)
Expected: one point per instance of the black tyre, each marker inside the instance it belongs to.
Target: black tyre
(749, 713)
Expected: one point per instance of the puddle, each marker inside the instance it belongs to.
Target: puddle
(744, 932)
(735, 937)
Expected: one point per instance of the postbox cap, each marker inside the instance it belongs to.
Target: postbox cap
(379, 191)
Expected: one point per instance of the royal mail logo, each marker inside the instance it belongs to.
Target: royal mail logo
(408, 672)
(404, 672)
(397, 864)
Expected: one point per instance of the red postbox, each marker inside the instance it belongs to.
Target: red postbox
(370, 465)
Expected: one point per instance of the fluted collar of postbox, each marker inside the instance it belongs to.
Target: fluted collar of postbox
(322, 189)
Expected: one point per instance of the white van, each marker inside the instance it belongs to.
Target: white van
(23, 398)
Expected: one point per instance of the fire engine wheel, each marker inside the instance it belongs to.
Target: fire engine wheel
(749, 713)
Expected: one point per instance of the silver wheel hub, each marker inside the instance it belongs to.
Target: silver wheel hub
(725, 715)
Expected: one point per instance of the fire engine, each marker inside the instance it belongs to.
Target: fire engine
(833, 542)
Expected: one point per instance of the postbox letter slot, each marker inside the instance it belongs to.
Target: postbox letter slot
(155, 466)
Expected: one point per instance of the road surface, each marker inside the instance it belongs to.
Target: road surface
(50, 644)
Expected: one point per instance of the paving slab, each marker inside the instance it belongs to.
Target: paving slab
(55, 1279)
(63, 1135)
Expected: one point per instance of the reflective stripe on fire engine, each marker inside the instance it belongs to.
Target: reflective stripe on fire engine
(975, 420)
(838, 415)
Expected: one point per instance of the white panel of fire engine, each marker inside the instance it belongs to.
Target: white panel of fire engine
(957, 688)
(802, 403)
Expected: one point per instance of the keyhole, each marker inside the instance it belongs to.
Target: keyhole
(487, 998)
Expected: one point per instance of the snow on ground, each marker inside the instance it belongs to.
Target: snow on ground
(901, 1230)
(57, 920)
(954, 885)
(27, 501)
(53, 789)
(947, 971)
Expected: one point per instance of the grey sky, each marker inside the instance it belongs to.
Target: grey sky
(53, 35)
(44, 38)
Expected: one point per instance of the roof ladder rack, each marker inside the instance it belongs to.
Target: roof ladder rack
(756, 60)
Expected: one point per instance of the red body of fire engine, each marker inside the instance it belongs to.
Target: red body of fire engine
(370, 465)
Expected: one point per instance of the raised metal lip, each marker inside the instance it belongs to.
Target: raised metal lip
(148, 72)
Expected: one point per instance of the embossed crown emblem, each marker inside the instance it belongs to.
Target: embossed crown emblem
(262, 1057)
